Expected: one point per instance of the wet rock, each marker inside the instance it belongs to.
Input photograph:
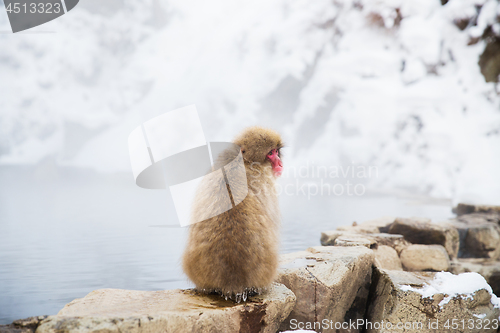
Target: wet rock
(422, 231)
(425, 258)
(28, 325)
(490, 270)
(115, 310)
(426, 302)
(330, 282)
(387, 258)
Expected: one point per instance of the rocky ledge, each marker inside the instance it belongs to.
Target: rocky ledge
(115, 310)
(384, 275)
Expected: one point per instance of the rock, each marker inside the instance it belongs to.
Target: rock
(115, 310)
(426, 302)
(387, 258)
(479, 237)
(372, 241)
(28, 325)
(490, 270)
(355, 240)
(395, 241)
(328, 237)
(484, 241)
(422, 231)
(451, 236)
(480, 218)
(330, 282)
(462, 209)
(425, 258)
(462, 22)
(489, 60)
(374, 226)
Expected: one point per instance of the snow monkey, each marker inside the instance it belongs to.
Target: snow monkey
(235, 253)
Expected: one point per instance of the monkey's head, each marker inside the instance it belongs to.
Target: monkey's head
(261, 145)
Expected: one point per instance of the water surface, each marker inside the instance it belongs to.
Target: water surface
(65, 232)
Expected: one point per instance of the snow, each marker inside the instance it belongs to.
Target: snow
(450, 285)
(387, 83)
(486, 18)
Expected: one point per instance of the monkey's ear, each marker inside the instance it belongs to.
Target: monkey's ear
(243, 150)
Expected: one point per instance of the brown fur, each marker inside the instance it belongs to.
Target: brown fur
(237, 251)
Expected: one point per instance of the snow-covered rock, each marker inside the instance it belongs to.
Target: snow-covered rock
(489, 269)
(432, 302)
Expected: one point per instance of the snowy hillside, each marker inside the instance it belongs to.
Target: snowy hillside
(393, 84)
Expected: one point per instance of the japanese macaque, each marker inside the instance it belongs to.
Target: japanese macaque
(235, 253)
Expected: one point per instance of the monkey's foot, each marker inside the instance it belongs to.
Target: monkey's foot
(236, 296)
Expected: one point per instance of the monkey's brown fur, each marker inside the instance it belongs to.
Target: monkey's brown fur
(237, 251)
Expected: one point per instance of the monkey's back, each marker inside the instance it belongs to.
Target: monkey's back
(238, 249)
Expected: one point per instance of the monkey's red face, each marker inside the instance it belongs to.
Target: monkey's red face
(274, 157)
